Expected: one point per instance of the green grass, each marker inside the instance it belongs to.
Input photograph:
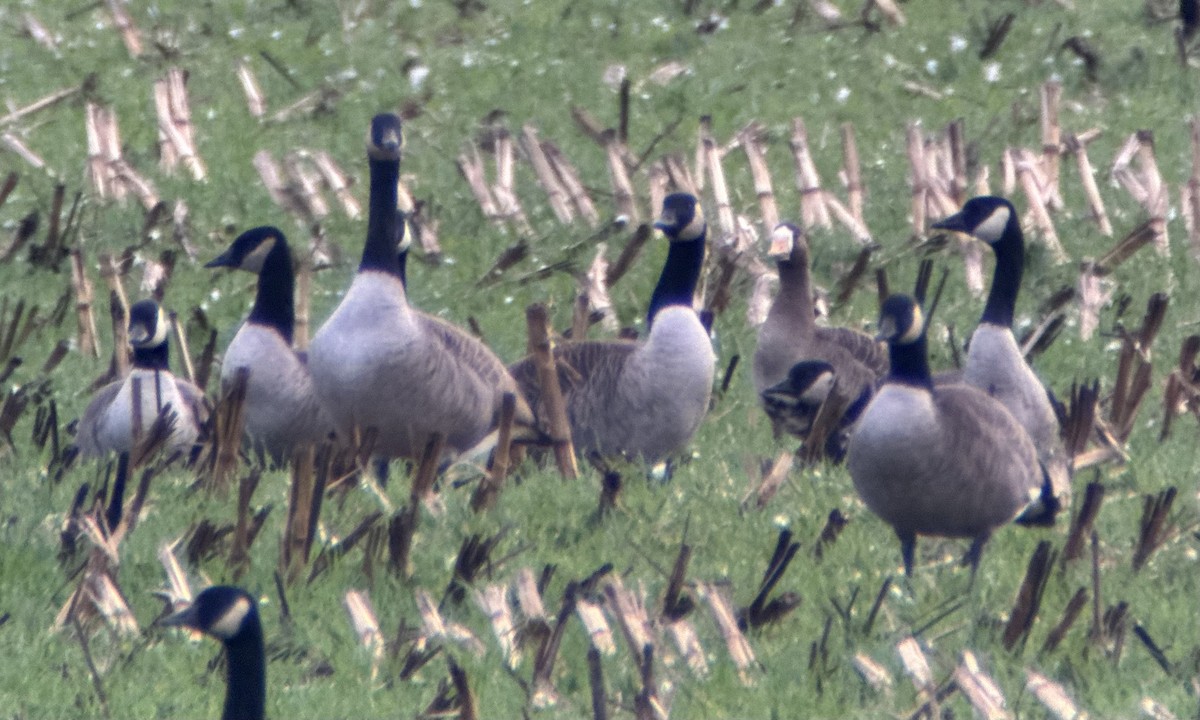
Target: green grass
(535, 60)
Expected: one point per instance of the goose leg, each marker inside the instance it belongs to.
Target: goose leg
(975, 552)
(908, 546)
(117, 500)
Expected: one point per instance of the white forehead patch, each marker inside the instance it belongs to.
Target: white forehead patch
(230, 622)
(993, 225)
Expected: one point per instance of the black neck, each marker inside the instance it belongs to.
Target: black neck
(1006, 280)
(151, 358)
(681, 272)
(246, 674)
(910, 363)
(379, 251)
(402, 258)
(274, 304)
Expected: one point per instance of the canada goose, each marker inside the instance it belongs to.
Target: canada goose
(946, 460)
(642, 399)
(995, 363)
(790, 336)
(281, 409)
(230, 615)
(794, 402)
(378, 363)
(108, 423)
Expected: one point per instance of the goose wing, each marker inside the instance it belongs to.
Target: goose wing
(587, 372)
(86, 434)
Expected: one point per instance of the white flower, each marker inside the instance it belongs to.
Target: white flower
(991, 72)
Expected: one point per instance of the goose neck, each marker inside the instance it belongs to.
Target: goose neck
(274, 304)
(1006, 279)
(380, 251)
(152, 358)
(910, 363)
(246, 673)
(794, 305)
(680, 273)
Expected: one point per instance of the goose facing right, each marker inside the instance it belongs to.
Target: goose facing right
(378, 363)
(230, 615)
(646, 399)
(946, 460)
(281, 409)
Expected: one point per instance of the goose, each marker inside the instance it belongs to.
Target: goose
(230, 615)
(790, 336)
(281, 409)
(108, 423)
(995, 363)
(944, 460)
(642, 399)
(378, 363)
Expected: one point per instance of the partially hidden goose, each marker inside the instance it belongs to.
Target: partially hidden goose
(230, 615)
(796, 361)
(642, 399)
(378, 363)
(110, 420)
(946, 460)
(281, 410)
(995, 363)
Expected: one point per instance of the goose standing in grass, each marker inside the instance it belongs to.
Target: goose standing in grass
(946, 460)
(642, 399)
(230, 615)
(995, 363)
(378, 363)
(281, 409)
(796, 362)
(108, 424)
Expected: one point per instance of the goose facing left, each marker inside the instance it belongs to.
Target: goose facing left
(378, 363)
(230, 615)
(945, 460)
(281, 409)
(642, 399)
(108, 424)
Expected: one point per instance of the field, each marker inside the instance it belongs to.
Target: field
(458, 72)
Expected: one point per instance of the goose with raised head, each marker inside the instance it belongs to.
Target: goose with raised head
(281, 408)
(642, 399)
(995, 363)
(230, 615)
(378, 363)
(796, 361)
(111, 423)
(947, 460)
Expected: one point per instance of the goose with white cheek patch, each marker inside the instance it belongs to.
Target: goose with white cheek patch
(645, 399)
(378, 363)
(230, 615)
(108, 423)
(995, 363)
(947, 460)
(281, 408)
(797, 362)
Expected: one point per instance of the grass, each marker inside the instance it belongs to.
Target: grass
(533, 61)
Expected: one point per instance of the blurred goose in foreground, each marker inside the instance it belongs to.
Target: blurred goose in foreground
(281, 409)
(796, 362)
(230, 615)
(995, 363)
(109, 422)
(946, 460)
(642, 399)
(378, 363)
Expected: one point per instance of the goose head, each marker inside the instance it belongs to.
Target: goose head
(986, 217)
(222, 611)
(682, 218)
(901, 321)
(250, 250)
(147, 325)
(786, 239)
(385, 137)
